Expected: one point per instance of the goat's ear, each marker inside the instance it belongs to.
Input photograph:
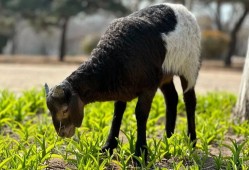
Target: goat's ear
(46, 88)
(58, 92)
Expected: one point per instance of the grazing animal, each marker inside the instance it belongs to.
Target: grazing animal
(136, 55)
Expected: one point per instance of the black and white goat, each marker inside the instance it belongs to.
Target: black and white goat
(136, 55)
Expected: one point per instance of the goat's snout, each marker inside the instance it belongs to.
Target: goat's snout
(67, 132)
(61, 133)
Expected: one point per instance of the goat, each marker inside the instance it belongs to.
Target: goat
(136, 55)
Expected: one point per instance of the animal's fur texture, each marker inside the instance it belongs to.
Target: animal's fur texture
(183, 46)
(135, 56)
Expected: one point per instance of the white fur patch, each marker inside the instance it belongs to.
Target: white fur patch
(183, 46)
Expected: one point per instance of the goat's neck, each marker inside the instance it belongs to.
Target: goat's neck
(88, 82)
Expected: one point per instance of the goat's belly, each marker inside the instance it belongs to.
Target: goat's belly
(124, 95)
(126, 98)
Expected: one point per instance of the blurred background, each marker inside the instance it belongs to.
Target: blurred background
(67, 30)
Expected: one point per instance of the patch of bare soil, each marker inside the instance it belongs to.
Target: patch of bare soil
(58, 164)
(237, 62)
(215, 149)
(19, 73)
(33, 60)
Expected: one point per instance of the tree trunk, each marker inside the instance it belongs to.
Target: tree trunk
(62, 49)
(3, 42)
(218, 16)
(241, 111)
(14, 34)
(233, 35)
(14, 41)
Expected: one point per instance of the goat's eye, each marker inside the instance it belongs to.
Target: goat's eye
(65, 111)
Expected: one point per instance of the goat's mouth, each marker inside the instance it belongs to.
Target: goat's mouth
(66, 131)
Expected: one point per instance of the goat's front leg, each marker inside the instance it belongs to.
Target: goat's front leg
(190, 104)
(142, 112)
(111, 142)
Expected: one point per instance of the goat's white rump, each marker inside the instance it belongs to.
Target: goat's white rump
(183, 46)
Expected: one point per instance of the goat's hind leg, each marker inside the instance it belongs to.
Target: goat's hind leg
(190, 104)
(171, 101)
(111, 142)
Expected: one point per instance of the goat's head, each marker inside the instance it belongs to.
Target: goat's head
(66, 108)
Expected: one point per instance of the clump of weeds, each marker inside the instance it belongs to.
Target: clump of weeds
(28, 139)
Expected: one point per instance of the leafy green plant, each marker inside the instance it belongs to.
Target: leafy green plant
(236, 160)
(28, 139)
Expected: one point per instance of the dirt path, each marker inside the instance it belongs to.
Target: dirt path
(18, 77)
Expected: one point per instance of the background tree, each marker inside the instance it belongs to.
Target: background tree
(13, 11)
(6, 24)
(234, 32)
(240, 11)
(241, 112)
(64, 10)
(45, 13)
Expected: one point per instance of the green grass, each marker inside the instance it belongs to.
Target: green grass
(28, 139)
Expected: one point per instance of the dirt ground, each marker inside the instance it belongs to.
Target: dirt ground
(18, 73)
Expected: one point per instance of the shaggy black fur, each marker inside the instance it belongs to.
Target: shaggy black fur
(127, 63)
(128, 59)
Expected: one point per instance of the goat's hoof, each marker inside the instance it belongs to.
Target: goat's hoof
(106, 149)
(194, 143)
(143, 159)
(109, 146)
(138, 164)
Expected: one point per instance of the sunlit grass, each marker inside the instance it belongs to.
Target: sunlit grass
(28, 139)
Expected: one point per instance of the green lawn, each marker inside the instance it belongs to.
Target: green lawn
(28, 139)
